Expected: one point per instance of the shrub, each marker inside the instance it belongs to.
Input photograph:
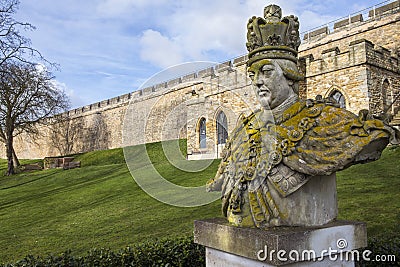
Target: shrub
(179, 252)
(162, 253)
(381, 247)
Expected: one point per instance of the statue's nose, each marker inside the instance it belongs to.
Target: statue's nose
(259, 82)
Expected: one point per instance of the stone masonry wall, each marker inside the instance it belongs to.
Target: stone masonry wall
(355, 59)
(376, 79)
(357, 73)
(75, 133)
(228, 90)
(383, 30)
(157, 113)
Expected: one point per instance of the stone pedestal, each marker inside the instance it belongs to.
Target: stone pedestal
(328, 245)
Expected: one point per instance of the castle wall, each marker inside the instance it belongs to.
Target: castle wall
(228, 90)
(376, 79)
(358, 59)
(357, 73)
(74, 133)
(152, 114)
(381, 29)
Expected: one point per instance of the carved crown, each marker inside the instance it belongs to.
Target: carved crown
(272, 37)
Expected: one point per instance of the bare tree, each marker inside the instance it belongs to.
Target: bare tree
(28, 95)
(63, 132)
(13, 45)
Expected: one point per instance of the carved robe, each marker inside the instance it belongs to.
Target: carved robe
(310, 138)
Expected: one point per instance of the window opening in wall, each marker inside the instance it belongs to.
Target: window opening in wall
(339, 97)
(222, 128)
(387, 98)
(202, 133)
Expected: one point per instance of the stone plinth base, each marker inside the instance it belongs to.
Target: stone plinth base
(328, 245)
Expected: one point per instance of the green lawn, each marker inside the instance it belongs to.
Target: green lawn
(100, 205)
(371, 193)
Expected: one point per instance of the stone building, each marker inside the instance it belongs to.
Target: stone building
(356, 61)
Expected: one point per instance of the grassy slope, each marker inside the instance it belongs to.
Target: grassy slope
(100, 205)
(371, 193)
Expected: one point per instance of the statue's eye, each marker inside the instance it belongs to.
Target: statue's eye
(267, 69)
(251, 75)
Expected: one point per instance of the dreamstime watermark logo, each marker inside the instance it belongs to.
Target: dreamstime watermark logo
(339, 254)
(341, 243)
(161, 113)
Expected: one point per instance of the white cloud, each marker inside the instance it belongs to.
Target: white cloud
(313, 20)
(75, 99)
(209, 27)
(193, 31)
(159, 49)
(130, 40)
(125, 7)
(210, 30)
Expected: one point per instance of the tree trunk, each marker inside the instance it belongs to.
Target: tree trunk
(9, 153)
(15, 159)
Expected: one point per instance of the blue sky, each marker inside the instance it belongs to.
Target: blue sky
(106, 48)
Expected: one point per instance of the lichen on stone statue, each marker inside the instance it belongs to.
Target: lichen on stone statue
(279, 163)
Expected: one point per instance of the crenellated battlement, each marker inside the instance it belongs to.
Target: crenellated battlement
(382, 57)
(353, 21)
(102, 105)
(154, 90)
(356, 56)
(359, 52)
(336, 56)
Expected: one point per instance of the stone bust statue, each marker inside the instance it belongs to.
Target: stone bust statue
(279, 163)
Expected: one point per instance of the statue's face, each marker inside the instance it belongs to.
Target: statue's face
(270, 85)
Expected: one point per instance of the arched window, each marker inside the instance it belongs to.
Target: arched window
(339, 97)
(202, 133)
(387, 98)
(222, 128)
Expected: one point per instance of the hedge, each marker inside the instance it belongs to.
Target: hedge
(162, 253)
(381, 248)
(174, 252)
